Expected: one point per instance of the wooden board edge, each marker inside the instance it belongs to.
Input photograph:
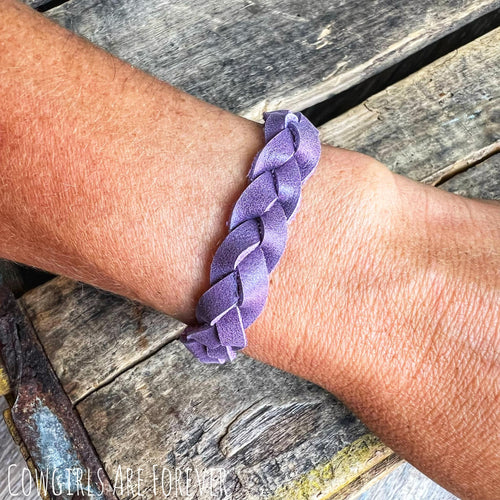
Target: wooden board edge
(476, 157)
(366, 480)
(337, 82)
(26, 296)
(4, 381)
(357, 464)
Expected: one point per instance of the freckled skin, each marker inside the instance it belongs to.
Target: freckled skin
(388, 292)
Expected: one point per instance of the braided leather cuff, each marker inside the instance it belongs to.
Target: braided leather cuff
(239, 274)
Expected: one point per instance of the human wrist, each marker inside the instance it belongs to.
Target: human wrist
(359, 275)
(345, 216)
(405, 334)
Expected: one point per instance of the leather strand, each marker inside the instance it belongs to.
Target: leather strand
(239, 273)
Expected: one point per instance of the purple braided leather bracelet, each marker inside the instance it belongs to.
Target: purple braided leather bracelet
(239, 274)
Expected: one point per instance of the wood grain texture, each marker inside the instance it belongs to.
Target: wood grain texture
(265, 427)
(91, 335)
(248, 56)
(438, 121)
(261, 425)
(481, 181)
(406, 483)
(12, 465)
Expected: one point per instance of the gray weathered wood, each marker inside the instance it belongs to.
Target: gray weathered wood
(264, 426)
(252, 55)
(12, 465)
(405, 483)
(261, 425)
(435, 122)
(481, 181)
(91, 335)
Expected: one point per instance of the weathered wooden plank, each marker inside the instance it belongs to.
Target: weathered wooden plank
(265, 426)
(435, 122)
(406, 483)
(91, 335)
(261, 426)
(479, 181)
(251, 55)
(12, 465)
(351, 469)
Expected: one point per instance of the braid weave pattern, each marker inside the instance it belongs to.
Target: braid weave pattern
(239, 273)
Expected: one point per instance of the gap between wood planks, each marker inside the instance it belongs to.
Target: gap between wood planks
(51, 4)
(334, 106)
(471, 160)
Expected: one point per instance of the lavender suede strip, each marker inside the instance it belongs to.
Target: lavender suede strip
(239, 274)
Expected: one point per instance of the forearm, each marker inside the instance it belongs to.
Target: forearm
(109, 175)
(387, 293)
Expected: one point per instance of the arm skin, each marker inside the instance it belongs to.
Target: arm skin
(388, 292)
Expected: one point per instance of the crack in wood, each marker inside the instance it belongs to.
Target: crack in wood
(109, 380)
(223, 447)
(440, 176)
